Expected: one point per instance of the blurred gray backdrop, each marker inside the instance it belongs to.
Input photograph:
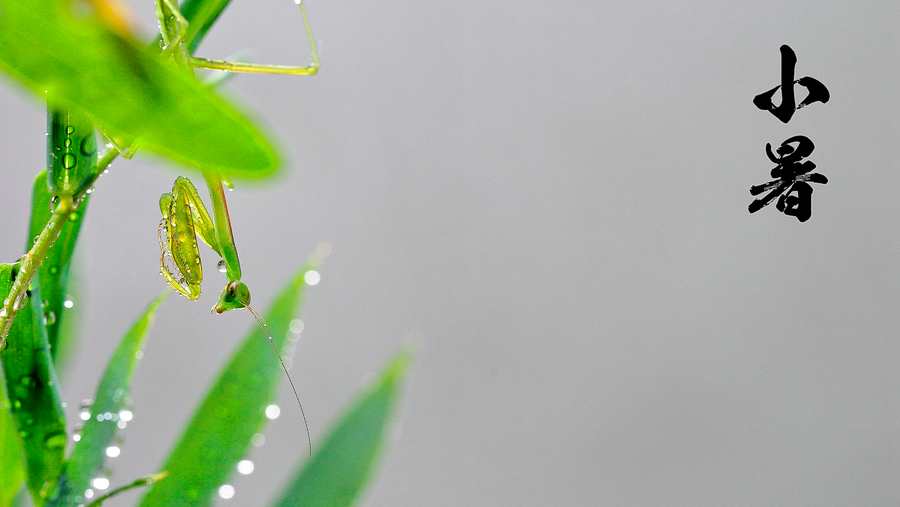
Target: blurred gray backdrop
(549, 199)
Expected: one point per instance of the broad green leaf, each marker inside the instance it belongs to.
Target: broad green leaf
(12, 473)
(219, 434)
(63, 51)
(112, 395)
(54, 271)
(341, 467)
(34, 393)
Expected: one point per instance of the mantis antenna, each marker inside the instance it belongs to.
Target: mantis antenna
(265, 328)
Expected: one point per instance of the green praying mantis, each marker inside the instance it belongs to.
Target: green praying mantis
(185, 218)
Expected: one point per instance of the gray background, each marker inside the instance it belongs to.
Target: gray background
(549, 199)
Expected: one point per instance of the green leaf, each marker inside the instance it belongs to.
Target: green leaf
(112, 395)
(63, 51)
(337, 473)
(232, 412)
(34, 392)
(54, 271)
(12, 473)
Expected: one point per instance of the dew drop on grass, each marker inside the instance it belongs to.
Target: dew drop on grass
(312, 277)
(20, 301)
(273, 411)
(113, 451)
(69, 161)
(245, 467)
(226, 491)
(221, 266)
(55, 440)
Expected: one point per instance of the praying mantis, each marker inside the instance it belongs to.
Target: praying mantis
(184, 215)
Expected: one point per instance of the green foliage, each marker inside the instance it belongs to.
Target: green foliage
(54, 271)
(74, 57)
(112, 396)
(339, 470)
(33, 392)
(81, 58)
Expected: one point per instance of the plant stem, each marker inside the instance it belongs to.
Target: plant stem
(31, 261)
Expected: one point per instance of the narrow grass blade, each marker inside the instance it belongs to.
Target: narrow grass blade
(34, 392)
(54, 272)
(12, 472)
(341, 467)
(74, 55)
(112, 395)
(232, 412)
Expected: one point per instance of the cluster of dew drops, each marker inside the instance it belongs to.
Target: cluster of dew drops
(124, 416)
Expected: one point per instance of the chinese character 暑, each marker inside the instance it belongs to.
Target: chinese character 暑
(817, 91)
(793, 176)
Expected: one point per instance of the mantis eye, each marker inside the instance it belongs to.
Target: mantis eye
(234, 295)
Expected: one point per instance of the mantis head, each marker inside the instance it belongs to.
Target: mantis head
(235, 295)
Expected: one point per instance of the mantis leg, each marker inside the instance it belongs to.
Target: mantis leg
(263, 68)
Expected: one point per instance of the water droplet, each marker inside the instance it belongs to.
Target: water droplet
(69, 161)
(296, 326)
(50, 318)
(76, 437)
(2, 312)
(312, 277)
(20, 301)
(273, 411)
(24, 434)
(113, 451)
(29, 421)
(100, 483)
(68, 303)
(36, 238)
(67, 143)
(125, 415)
(55, 440)
(53, 270)
(89, 493)
(258, 439)
(70, 130)
(89, 191)
(88, 145)
(226, 491)
(27, 381)
(221, 266)
(245, 467)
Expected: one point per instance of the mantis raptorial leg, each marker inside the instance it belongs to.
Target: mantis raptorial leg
(185, 217)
